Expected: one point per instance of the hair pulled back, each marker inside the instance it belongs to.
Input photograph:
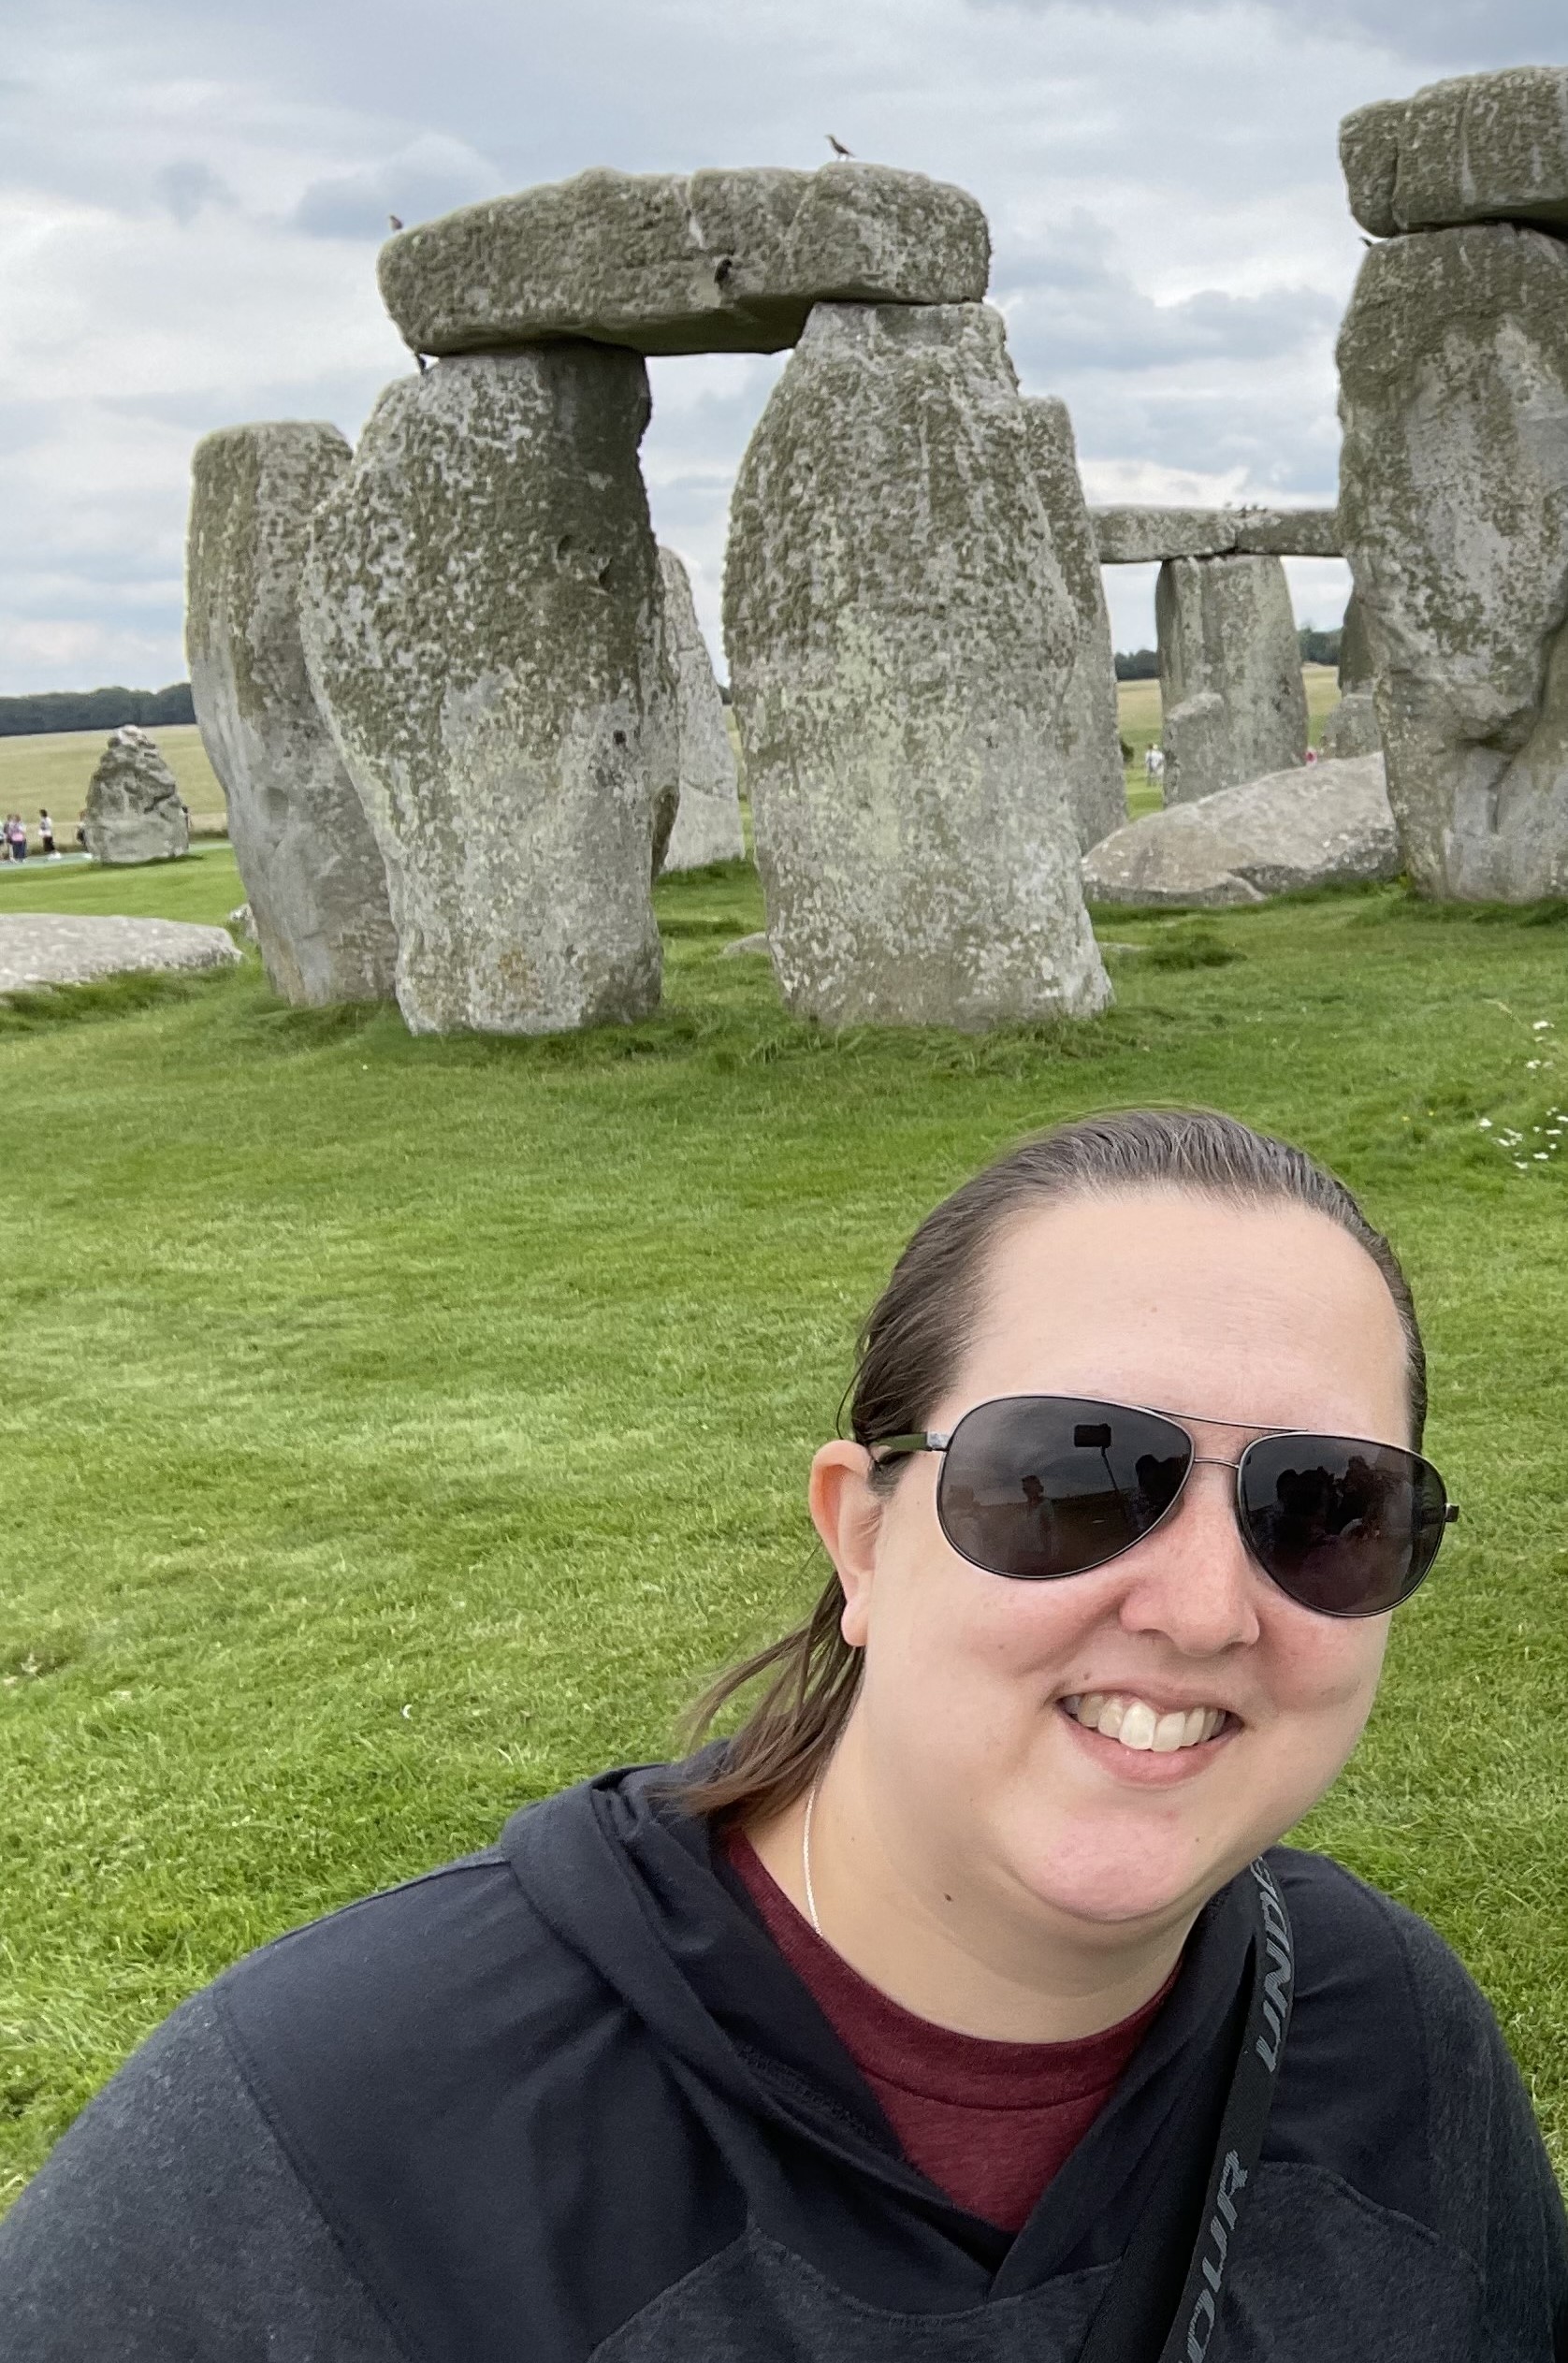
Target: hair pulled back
(914, 1339)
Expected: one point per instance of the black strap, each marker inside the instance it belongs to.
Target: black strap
(1164, 2299)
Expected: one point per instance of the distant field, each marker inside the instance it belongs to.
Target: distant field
(53, 769)
(1138, 708)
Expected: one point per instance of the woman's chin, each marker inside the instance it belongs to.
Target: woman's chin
(1121, 1882)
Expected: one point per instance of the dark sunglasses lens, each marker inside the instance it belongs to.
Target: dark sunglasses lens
(1346, 1527)
(1041, 1485)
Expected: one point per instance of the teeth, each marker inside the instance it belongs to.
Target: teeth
(1136, 1724)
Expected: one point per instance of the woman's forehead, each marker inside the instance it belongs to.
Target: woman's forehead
(1269, 1314)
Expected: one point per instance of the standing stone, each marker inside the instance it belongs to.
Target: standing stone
(134, 812)
(1454, 496)
(1090, 729)
(478, 616)
(706, 822)
(312, 875)
(899, 634)
(1230, 673)
(1351, 729)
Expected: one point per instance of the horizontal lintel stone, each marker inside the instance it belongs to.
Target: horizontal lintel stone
(1141, 537)
(726, 261)
(1481, 148)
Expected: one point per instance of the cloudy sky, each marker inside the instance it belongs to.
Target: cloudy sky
(192, 193)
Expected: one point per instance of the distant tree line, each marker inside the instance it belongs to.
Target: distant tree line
(1318, 647)
(1144, 664)
(95, 709)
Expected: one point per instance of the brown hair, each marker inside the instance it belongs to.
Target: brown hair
(914, 1338)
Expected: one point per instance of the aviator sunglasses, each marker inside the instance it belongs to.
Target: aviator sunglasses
(1038, 1487)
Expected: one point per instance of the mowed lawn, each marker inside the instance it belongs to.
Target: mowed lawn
(394, 1429)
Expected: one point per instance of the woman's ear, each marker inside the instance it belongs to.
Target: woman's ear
(847, 1515)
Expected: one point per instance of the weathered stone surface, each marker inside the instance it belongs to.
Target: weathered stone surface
(1090, 733)
(134, 812)
(1369, 160)
(708, 826)
(239, 922)
(478, 617)
(1230, 673)
(1351, 729)
(1482, 148)
(704, 262)
(51, 949)
(1454, 492)
(1137, 537)
(899, 634)
(1326, 824)
(314, 878)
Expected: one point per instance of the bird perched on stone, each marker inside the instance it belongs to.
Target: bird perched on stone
(838, 145)
(395, 222)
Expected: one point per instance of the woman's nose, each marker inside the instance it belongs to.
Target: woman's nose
(1193, 1579)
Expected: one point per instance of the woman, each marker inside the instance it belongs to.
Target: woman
(946, 2011)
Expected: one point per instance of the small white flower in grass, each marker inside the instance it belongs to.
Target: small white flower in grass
(1541, 1025)
(1531, 1064)
(1540, 1156)
(407, 1713)
(1523, 1163)
(1484, 1123)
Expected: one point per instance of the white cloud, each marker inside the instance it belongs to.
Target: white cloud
(189, 190)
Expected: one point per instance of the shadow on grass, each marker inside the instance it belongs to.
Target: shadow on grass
(35, 1007)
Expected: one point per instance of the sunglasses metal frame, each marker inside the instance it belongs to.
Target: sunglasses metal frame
(900, 1448)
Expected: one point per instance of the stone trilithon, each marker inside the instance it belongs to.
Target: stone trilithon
(479, 620)
(900, 636)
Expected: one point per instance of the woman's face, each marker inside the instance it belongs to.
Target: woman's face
(1266, 1318)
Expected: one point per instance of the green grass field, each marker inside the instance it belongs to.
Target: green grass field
(52, 770)
(396, 1428)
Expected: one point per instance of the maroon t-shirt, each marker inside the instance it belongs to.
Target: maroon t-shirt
(988, 2123)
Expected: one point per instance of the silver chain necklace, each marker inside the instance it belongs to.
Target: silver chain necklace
(805, 1857)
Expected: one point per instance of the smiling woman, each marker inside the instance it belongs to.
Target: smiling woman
(961, 2001)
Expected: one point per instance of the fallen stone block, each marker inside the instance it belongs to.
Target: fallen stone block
(704, 262)
(900, 634)
(1324, 824)
(1481, 148)
(54, 947)
(133, 810)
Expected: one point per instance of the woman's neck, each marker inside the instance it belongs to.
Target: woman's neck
(928, 1935)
